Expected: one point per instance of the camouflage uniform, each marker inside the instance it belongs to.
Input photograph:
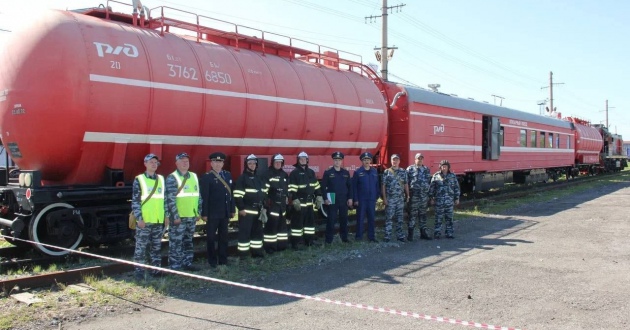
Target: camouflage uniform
(419, 179)
(180, 237)
(149, 238)
(445, 190)
(394, 182)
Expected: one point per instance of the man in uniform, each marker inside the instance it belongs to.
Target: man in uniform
(147, 205)
(444, 193)
(365, 191)
(419, 178)
(249, 197)
(218, 208)
(305, 192)
(395, 191)
(183, 207)
(277, 186)
(337, 191)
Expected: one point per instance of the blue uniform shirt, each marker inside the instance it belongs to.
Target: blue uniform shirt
(337, 182)
(365, 184)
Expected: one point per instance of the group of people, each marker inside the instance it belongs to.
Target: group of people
(277, 210)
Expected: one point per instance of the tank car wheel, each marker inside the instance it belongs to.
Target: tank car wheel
(66, 233)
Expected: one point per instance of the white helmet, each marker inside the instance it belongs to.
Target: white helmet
(302, 155)
(251, 157)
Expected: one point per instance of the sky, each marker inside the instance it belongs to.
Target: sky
(472, 48)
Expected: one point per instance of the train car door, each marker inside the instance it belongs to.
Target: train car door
(491, 144)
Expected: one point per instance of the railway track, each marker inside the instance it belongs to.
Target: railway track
(75, 275)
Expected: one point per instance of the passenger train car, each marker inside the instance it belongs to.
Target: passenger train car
(85, 94)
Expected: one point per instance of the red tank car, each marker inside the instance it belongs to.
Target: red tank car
(85, 95)
(588, 142)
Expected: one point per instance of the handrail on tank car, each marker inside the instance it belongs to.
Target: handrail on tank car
(294, 52)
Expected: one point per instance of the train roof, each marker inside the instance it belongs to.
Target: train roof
(449, 101)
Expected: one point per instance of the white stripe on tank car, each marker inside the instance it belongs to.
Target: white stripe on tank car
(218, 141)
(208, 91)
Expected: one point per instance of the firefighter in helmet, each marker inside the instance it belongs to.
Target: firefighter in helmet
(249, 196)
(305, 192)
(276, 180)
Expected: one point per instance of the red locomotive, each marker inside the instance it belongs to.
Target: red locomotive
(84, 95)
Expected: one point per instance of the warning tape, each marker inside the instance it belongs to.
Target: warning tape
(280, 292)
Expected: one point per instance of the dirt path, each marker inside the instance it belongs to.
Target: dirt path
(562, 264)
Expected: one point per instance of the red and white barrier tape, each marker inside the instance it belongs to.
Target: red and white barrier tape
(284, 293)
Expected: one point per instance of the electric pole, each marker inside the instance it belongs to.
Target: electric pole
(498, 97)
(383, 57)
(551, 83)
(607, 107)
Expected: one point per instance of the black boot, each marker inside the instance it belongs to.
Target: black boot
(410, 234)
(424, 234)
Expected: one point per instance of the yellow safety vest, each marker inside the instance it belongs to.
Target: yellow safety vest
(187, 200)
(153, 209)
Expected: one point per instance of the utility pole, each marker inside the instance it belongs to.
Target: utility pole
(383, 57)
(551, 83)
(498, 97)
(607, 107)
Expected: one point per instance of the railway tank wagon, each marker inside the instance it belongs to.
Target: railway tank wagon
(589, 144)
(487, 145)
(87, 94)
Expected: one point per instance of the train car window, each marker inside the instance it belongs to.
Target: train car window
(541, 140)
(532, 139)
(568, 141)
(523, 138)
(550, 145)
(558, 141)
(502, 137)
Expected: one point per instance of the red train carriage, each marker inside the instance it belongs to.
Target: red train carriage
(487, 145)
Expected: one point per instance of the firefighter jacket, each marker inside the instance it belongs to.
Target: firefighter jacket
(303, 183)
(277, 185)
(249, 192)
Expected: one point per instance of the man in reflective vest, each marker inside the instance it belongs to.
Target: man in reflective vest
(147, 205)
(184, 208)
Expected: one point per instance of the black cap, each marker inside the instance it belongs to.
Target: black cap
(395, 156)
(337, 155)
(182, 155)
(365, 155)
(217, 156)
(419, 155)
